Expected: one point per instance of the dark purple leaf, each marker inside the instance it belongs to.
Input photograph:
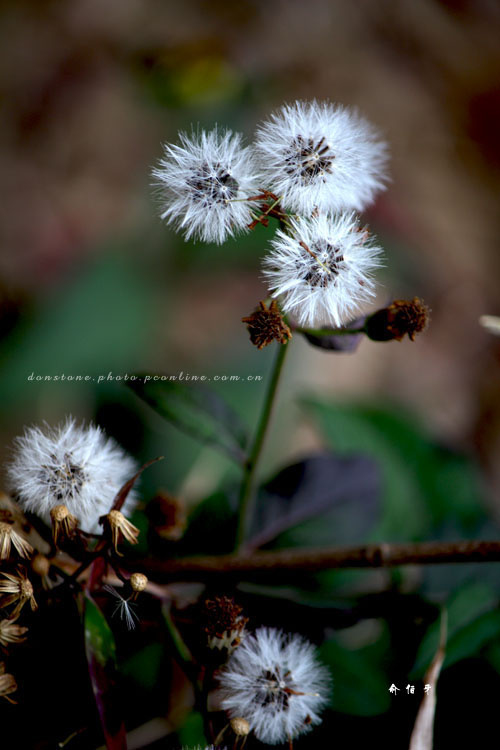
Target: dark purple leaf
(315, 486)
(101, 658)
(344, 342)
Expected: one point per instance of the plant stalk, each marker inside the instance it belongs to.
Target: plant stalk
(247, 490)
(286, 561)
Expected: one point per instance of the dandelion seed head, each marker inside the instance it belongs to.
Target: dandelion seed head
(318, 155)
(276, 683)
(322, 270)
(76, 466)
(203, 183)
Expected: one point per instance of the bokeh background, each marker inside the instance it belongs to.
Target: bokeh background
(91, 283)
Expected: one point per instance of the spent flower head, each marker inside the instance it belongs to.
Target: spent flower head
(8, 684)
(402, 317)
(9, 538)
(205, 182)
(76, 466)
(64, 523)
(266, 324)
(322, 270)
(11, 632)
(16, 589)
(276, 683)
(318, 155)
(224, 623)
(119, 528)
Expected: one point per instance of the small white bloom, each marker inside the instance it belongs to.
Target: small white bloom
(321, 155)
(123, 607)
(275, 682)
(79, 467)
(205, 182)
(321, 270)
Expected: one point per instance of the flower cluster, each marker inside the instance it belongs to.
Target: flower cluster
(75, 478)
(312, 165)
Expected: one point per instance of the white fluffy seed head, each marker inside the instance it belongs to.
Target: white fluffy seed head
(76, 466)
(322, 270)
(204, 182)
(318, 155)
(276, 683)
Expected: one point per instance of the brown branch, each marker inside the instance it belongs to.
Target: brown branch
(313, 560)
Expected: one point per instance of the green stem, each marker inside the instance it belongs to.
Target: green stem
(247, 495)
(330, 331)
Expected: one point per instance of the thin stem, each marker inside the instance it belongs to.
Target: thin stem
(93, 555)
(247, 495)
(183, 653)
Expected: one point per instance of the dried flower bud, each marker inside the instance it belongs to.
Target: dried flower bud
(16, 588)
(266, 325)
(138, 582)
(10, 538)
(168, 516)
(40, 565)
(240, 726)
(224, 623)
(64, 523)
(8, 684)
(119, 527)
(10, 632)
(400, 318)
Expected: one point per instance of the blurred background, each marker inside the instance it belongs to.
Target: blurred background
(91, 283)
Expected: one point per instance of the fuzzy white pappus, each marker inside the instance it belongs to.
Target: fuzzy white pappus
(204, 182)
(322, 270)
(77, 466)
(276, 683)
(318, 155)
(123, 607)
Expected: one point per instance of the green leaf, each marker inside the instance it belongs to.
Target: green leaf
(424, 484)
(471, 624)
(360, 680)
(101, 657)
(93, 326)
(196, 409)
(144, 667)
(349, 431)
(192, 733)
